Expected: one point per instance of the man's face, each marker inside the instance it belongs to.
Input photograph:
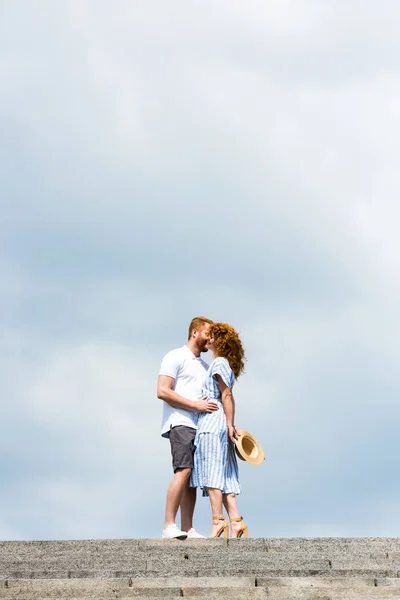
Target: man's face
(202, 338)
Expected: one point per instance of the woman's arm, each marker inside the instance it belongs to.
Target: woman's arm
(228, 402)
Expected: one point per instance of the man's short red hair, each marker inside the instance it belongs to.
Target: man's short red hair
(198, 323)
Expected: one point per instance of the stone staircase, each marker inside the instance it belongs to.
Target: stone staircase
(277, 569)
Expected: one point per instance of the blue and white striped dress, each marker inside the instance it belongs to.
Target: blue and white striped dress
(215, 462)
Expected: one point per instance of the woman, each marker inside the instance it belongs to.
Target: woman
(215, 468)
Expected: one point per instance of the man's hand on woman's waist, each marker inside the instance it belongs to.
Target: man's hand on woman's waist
(203, 405)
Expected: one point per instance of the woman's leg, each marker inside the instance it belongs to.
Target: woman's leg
(230, 504)
(216, 508)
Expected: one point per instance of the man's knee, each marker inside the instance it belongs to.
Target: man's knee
(183, 473)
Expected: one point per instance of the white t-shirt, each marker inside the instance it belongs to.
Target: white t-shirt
(188, 372)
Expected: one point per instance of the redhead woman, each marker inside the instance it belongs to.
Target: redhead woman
(215, 465)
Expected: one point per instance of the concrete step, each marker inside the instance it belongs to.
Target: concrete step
(93, 552)
(230, 594)
(331, 589)
(276, 595)
(103, 588)
(204, 567)
(186, 586)
(203, 557)
(280, 569)
(233, 594)
(103, 591)
(97, 549)
(297, 590)
(156, 593)
(273, 588)
(118, 554)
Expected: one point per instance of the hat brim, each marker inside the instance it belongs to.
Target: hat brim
(248, 449)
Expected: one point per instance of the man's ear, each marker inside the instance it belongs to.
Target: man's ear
(195, 332)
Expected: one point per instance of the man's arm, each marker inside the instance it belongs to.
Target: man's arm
(166, 393)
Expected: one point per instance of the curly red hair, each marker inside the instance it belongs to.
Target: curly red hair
(228, 345)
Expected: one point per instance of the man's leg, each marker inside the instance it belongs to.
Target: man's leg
(188, 503)
(180, 494)
(175, 494)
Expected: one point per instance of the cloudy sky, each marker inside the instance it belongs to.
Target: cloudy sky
(160, 160)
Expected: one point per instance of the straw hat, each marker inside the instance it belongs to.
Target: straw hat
(248, 449)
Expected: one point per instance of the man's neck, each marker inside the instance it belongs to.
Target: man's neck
(193, 348)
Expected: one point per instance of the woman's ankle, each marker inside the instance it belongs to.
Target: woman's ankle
(233, 517)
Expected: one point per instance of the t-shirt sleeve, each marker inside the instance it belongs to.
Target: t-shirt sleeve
(170, 365)
(221, 367)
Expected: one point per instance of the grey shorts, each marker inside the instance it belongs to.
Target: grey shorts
(181, 439)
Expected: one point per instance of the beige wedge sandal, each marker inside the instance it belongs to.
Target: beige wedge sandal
(243, 530)
(223, 529)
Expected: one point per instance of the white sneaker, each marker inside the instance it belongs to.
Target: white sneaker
(192, 533)
(172, 531)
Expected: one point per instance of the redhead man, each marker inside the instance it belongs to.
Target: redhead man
(180, 381)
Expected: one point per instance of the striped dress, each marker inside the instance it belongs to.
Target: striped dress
(215, 463)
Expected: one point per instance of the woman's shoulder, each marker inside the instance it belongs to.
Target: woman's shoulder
(220, 363)
(220, 360)
(220, 366)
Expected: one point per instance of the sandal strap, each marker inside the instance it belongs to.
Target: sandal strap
(219, 518)
(237, 519)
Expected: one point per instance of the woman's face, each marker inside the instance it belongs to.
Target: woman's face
(211, 345)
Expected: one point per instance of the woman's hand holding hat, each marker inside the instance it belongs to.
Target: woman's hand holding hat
(248, 449)
(233, 433)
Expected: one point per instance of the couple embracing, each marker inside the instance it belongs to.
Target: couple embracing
(199, 420)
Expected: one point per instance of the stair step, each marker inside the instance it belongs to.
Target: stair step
(223, 569)
(277, 594)
(157, 593)
(73, 587)
(277, 569)
(175, 592)
(229, 595)
(106, 592)
(289, 588)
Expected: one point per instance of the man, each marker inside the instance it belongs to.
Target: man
(179, 384)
